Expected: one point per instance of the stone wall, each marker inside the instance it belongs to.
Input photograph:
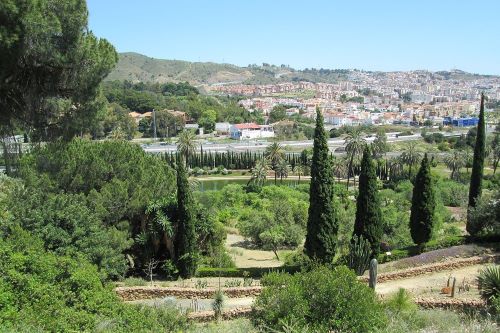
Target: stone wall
(450, 304)
(443, 266)
(138, 293)
(204, 316)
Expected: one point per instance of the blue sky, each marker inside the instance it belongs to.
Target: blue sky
(372, 35)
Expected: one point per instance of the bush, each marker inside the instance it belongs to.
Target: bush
(489, 283)
(321, 299)
(484, 219)
(40, 291)
(452, 193)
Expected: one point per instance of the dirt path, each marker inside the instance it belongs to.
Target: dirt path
(432, 283)
(244, 256)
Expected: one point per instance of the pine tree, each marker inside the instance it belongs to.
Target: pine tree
(368, 214)
(322, 224)
(476, 177)
(423, 205)
(186, 249)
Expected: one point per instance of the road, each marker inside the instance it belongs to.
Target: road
(256, 145)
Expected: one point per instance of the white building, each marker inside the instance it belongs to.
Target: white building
(222, 128)
(251, 131)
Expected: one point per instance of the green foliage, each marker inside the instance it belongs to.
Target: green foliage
(89, 198)
(489, 282)
(368, 221)
(277, 113)
(400, 302)
(452, 193)
(476, 178)
(186, 248)
(422, 217)
(359, 255)
(50, 67)
(276, 209)
(41, 291)
(69, 227)
(484, 218)
(322, 299)
(218, 304)
(322, 224)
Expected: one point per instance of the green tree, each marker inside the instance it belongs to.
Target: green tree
(283, 169)
(186, 248)
(277, 113)
(368, 221)
(423, 206)
(355, 145)
(455, 162)
(259, 172)
(380, 145)
(495, 151)
(410, 156)
(167, 124)
(187, 145)
(207, 120)
(50, 67)
(322, 224)
(274, 154)
(476, 177)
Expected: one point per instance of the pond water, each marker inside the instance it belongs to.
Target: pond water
(217, 184)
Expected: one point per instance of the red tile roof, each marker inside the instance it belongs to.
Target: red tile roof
(247, 126)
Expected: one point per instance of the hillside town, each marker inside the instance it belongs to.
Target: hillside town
(374, 98)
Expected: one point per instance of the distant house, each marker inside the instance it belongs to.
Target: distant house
(251, 131)
(222, 128)
(139, 116)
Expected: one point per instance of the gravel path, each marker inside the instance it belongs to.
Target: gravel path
(244, 256)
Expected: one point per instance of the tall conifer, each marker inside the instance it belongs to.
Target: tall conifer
(186, 250)
(322, 223)
(368, 214)
(476, 177)
(423, 205)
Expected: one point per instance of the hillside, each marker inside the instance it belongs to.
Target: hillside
(136, 67)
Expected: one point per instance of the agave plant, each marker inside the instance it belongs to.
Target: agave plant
(489, 282)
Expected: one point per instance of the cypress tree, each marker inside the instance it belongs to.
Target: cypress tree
(476, 177)
(321, 223)
(368, 214)
(186, 248)
(422, 206)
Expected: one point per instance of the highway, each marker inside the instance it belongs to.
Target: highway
(258, 145)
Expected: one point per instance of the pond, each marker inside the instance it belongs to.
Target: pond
(217, 184)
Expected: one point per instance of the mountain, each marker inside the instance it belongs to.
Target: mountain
(136, 67)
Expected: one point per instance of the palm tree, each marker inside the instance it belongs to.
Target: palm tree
(282, 169)
(355, 144)
(468, 158)
(340, 167)
(395, 167)
(187, 145)
(274, 154)
(410, 156)
(299, 170)
(454, 162)
(259, 172)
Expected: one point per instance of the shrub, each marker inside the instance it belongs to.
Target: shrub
(484, 219)
(359, 255)
(489, 283)
(452, 193)
(323, 299)
(401, 301)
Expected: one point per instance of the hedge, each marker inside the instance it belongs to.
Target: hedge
(254, 272)
(432, 245)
